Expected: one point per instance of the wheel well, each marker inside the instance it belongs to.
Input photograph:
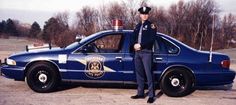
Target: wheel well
(41, 61)
(179, 67)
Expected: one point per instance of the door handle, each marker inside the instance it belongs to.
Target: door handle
(158, 59)
(119, 58)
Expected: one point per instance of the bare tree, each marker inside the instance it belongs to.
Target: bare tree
(192, 21)
(131, 12)
(87, 20)
(63, 18)
(228, 30)
(189, 22)
(114, 11)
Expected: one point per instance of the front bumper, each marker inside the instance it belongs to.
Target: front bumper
(1, 64)
(0, 70)
(12, 72)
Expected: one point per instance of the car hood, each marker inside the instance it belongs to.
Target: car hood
(42, 51)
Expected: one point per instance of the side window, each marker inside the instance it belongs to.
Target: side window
(170, 48)
(162, 46)
(107, 44)
(158, 46)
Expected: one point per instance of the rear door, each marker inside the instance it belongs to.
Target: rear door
(163, 51)
(160, 57)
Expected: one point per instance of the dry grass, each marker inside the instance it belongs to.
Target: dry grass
(12, 45)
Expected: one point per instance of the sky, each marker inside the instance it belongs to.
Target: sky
(28, 11)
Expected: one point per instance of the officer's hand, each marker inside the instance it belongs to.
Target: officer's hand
(137, 47)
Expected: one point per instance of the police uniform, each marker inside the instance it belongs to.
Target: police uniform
(144, 34)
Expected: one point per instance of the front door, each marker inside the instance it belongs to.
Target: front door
(100, 59)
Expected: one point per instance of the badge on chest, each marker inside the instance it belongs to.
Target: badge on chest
(145, 27)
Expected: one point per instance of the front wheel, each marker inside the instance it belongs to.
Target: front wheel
(42, 77)
(177, 82)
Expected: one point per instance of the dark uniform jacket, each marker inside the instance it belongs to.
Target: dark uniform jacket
(148, 35)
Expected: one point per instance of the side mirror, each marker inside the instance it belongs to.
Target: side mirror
(84, 49)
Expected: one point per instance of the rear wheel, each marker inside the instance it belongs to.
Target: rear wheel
(42, 77)
(177, 82)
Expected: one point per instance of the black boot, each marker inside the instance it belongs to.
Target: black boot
(137, 97)
(150, 100)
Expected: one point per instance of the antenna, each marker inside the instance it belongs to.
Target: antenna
(212, 37)
(200, 47)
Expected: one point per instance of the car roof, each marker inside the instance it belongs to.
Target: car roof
(157, 34)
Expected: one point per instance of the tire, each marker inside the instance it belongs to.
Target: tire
(42, 77)
(177, 82)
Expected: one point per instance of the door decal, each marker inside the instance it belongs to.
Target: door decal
(94, 66)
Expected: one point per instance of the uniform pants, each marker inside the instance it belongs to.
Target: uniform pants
(143, 65)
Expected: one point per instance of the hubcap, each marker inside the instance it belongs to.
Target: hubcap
(175, 82)
(42, 78)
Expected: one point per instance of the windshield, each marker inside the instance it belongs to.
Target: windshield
(88, 37)
(82, 41)
(72, 45)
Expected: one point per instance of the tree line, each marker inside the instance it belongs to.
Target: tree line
(189, 22)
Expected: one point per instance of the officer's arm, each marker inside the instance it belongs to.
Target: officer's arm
(133, 40)
(136, 33)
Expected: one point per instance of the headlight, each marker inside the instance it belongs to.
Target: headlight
(11, 62)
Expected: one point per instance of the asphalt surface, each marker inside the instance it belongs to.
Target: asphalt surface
(18, 93)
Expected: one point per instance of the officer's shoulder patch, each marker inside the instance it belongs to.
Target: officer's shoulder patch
(153, 26)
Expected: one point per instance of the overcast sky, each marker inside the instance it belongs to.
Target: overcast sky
(28, 11)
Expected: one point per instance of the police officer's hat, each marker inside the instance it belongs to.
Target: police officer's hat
(144, 10)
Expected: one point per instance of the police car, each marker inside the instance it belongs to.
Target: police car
(107, 57)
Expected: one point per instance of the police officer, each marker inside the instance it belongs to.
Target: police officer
(144, 34)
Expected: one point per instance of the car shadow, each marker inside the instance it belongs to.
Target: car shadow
(71, 85)
(221, 87)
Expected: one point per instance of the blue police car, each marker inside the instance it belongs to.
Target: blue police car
(107, 56)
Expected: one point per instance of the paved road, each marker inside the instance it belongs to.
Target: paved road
(17, 93)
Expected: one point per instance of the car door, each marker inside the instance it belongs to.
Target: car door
(129, 69)
(160, 57)
(100, 59)
(165, 54)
